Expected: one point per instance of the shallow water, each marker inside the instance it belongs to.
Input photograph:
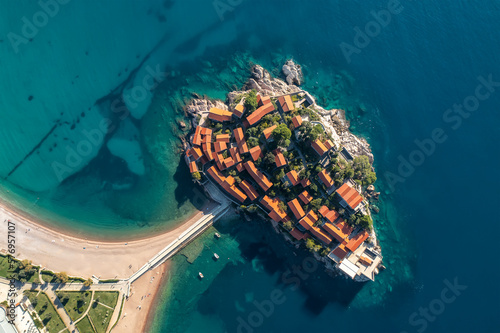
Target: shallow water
(440, 223)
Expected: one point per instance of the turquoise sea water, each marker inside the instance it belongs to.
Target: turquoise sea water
(440, 224)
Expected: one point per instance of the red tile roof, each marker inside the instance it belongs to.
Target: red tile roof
(197, 136)
(268, 131)
(297, 121)
(238, 134)
(223, 138)
(279, 159)
(261, 100)
(256, 152)
(344, 227)
(228, 162)
(207, 150)
(297, 234)
(240, 167)
(332, 216)
(335, 232)
(206, 131)
(220, 146)
(277, 215)
(296, 208)
(340, 251)
(305, 182)
(204, 160)
(321, 235)
(323, 210)
(196, 153)
(328, 144)
(356, 241)
(257, 115)
(219, 115)
(305, 197)
(243, 147)
(258, 176)
(249, 190)
(325, 178)
(319, 147)
(312, 216)
(293, 177)
(192, 167)
(206, 138)
(286, 103)
(273, 206)
(239, 110)
(350, 195)
(306, 222)
(235, 155)
(227, 184)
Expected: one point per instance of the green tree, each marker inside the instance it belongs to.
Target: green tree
(251, 101)
(269, 159)
(196, 175)
(288, 225)
(282, 133)
(282, 206)
(61, 277)
(88, 282)
(316, 203)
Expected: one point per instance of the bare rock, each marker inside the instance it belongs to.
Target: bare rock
(293, 73)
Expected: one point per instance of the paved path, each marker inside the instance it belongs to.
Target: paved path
(60, 309)
(181, 241)
(88, 308)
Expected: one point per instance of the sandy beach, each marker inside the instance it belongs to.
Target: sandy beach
(84, 257)
(138, 309)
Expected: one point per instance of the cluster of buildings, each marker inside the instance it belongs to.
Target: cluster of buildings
(217, 155)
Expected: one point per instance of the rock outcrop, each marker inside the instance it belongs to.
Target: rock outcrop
(334, 120)
(262, 81)
(293, 73)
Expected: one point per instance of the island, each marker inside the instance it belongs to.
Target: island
(271, 150)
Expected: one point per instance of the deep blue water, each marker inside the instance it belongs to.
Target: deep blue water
(440, 223)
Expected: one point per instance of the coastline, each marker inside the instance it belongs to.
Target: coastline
(71, 232)
(135, 319)
(60, 252)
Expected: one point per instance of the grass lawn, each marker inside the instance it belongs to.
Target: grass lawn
(7, 273)
(46, 311)
(100, 316)
(84, 326)
(109, 298)
(73, 301)
(4, 267)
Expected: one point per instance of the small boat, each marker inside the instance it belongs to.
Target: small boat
(216, 256)
(217, 235)
(200, 275)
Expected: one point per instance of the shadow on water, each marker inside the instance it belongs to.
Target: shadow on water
(271, 261)
(186, 189)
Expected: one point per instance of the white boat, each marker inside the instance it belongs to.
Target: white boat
(216, 256)
(217, 235)
(200, 275)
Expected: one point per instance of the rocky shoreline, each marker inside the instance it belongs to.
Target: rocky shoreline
(333, 121)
